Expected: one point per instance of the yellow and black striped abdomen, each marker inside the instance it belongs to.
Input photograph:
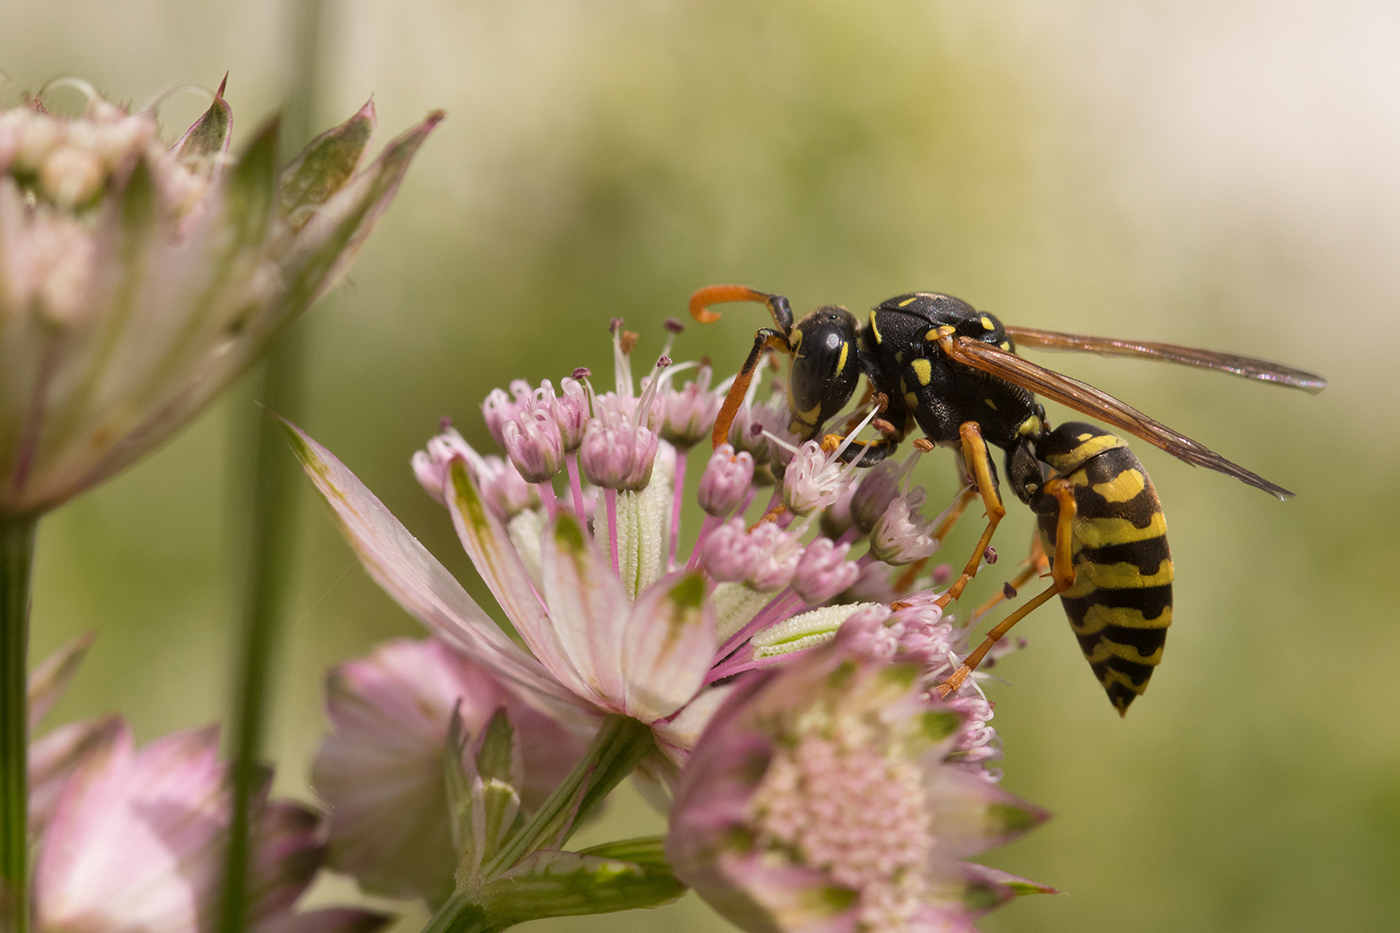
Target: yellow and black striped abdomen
(1121, 601)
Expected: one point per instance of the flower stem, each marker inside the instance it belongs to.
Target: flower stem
(271, 549)
(619, 746)
(575, 487)
(16, 566)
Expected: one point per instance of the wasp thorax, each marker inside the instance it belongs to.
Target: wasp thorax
(824, 367)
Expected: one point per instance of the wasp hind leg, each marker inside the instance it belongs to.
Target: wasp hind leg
(1062, 574)
(979, 465)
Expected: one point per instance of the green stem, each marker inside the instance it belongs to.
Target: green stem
(619, 746)
(272, 528)
(271, 552)
(16, 566)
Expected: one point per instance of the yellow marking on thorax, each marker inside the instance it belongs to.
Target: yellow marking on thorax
(1029, 427)
(923, 369)
(1006, 345)
(990, 404)
(911, 399)
(909, 301)
(1126, 485)
(987, 323)
(938, 333)
(875, 328)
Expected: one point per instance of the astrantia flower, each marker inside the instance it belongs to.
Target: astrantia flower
(132, 840)
(382, 769)
(821, 797)
(615, 619)
(137, 840)
(137, 280)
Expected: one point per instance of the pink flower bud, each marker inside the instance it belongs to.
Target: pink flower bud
(775, 556)
(533, 443)
(726, 554)
(689, 413)
(878, 487)
(725, 481)
(571, 413)
(823, 571)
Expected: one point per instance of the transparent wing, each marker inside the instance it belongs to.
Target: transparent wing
(1247, 366)
(1084, 398)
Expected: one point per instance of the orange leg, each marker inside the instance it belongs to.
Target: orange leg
(979, 464)
(1033, 566)
(1062, 572)
(762, 341)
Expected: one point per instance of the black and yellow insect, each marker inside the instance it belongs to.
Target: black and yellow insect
(953, 372)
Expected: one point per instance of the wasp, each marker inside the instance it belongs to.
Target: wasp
(953, 372)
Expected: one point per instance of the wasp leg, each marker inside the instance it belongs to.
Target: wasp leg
(940, 534)
(979, 464)
(1062, 573)
(765, 339)
(1035, 564)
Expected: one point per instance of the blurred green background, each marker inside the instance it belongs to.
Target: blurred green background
(1219, 174)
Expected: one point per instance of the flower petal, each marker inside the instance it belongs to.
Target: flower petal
(53, 758)
(488, 545)
(48, 681)
(588, 609)
(668, 645)
(418, 583)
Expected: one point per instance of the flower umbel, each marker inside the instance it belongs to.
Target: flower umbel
(137, 280)
(821, 797)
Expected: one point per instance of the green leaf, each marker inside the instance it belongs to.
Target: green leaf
(500, 768)
(208, 138)
(458, 785)
(563, 884)
(324, 166)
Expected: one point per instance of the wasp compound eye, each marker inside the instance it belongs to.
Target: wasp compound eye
(825, 366)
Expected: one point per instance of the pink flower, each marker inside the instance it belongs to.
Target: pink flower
(820, 797)
(136, 280)
(381, 771)
(136, 843)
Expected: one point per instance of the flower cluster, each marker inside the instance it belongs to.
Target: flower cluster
(575, 527)
(138, 279)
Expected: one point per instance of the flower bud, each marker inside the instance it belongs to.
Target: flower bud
(725, 481)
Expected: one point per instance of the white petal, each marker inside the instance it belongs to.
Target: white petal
(589, 608)
(669, 644)
(417, 582)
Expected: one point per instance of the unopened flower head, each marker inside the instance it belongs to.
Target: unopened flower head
(821, 797)
(138, 279)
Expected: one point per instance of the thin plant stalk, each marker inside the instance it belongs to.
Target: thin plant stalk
(619, 746)
(271, 530)
(16, 567)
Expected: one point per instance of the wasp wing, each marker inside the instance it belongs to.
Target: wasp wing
(1084, 398)
(1247, 366)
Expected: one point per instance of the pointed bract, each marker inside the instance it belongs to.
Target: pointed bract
(137, 281)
